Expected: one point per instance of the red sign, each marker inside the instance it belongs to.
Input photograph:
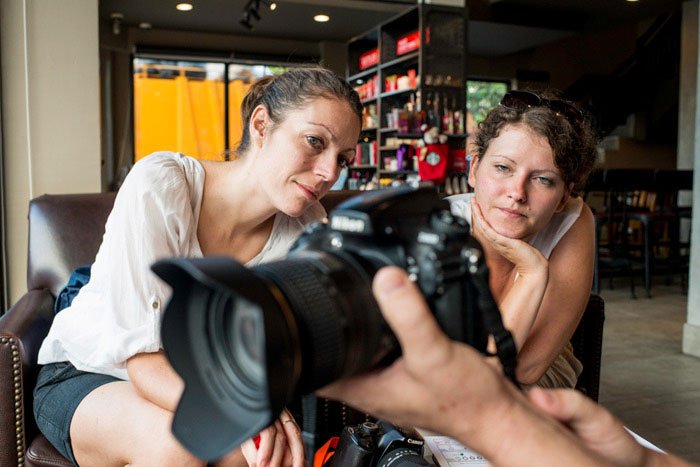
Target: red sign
(368, 59)
(408, 43)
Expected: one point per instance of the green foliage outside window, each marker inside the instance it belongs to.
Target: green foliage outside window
(482, 96)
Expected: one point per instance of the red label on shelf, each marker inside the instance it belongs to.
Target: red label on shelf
(408, 43)
(368, 59)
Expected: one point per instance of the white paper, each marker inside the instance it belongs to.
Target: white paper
(450, 453)
(447, 452)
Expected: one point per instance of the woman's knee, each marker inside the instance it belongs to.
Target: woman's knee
(114, 422)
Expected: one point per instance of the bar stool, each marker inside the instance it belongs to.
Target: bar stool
(667, 217)
(626, 199)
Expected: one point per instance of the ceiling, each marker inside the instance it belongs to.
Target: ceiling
(496, 27)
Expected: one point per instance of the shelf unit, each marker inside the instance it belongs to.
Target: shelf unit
(432, 63)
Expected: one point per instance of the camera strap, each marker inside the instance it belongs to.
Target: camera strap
(310, 434)
(505, 345)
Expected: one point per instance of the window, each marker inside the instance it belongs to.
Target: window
(240, 78)
(180, 105)
(482, 96)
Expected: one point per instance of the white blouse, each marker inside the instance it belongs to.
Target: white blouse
(117, 314)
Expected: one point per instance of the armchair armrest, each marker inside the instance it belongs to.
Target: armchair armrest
(22, 330)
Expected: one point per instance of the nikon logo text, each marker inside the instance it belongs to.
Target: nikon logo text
(347, 224)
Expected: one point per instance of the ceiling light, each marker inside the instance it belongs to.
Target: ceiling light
(273, 6)
(632, 0)
(322, 18)
(184, 6)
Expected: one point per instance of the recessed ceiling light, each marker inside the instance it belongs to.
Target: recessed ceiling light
(184, 6)
(322, 18)
(632, 0)
(273, 6)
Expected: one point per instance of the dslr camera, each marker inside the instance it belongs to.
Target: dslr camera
(248, 341)
(377, 444)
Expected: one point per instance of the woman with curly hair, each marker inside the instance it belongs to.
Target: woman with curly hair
(532, 153)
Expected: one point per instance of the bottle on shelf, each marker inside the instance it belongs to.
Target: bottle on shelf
(418, 114)
(428, 109)
(447, 117)
(433, 111)
(457, 117)
(405, 117)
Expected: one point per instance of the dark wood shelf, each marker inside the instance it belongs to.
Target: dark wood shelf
(397, 92)
(400, 60)
(398, 172)
(386, 36)
(401, 135)
(362, 74)
(362, 167)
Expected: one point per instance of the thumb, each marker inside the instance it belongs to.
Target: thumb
(422, 341)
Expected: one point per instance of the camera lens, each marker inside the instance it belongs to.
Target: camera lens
(337, 319)
(401, 457)
(247, 345)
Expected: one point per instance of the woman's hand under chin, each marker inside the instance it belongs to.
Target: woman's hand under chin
(527, 259)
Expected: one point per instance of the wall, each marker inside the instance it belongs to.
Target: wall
(688, 80)
(689, 126)
(51, 110)
(565, 60)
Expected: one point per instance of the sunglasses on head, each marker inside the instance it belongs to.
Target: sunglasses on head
(523, 100)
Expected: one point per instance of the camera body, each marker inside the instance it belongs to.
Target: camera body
(248, 341)
(377, 444)
(413, 229)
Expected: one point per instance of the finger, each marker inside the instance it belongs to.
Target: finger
(526, 257)
(296, 446)
(575, 410)
(597, 427)
(280, 445)
(478, 217)
(250, 452)
(484, 227)
(288, 459)
(423, 344)
(566, 406)
(267, 444)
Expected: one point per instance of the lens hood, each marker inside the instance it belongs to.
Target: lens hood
(224, 402)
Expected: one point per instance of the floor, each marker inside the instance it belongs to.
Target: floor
(645, 379)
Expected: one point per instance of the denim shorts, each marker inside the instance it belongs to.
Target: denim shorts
(60, 388)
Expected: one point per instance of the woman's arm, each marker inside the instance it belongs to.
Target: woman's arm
(155, 379)
(544, 305)
(521, 302)
(565, 298)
